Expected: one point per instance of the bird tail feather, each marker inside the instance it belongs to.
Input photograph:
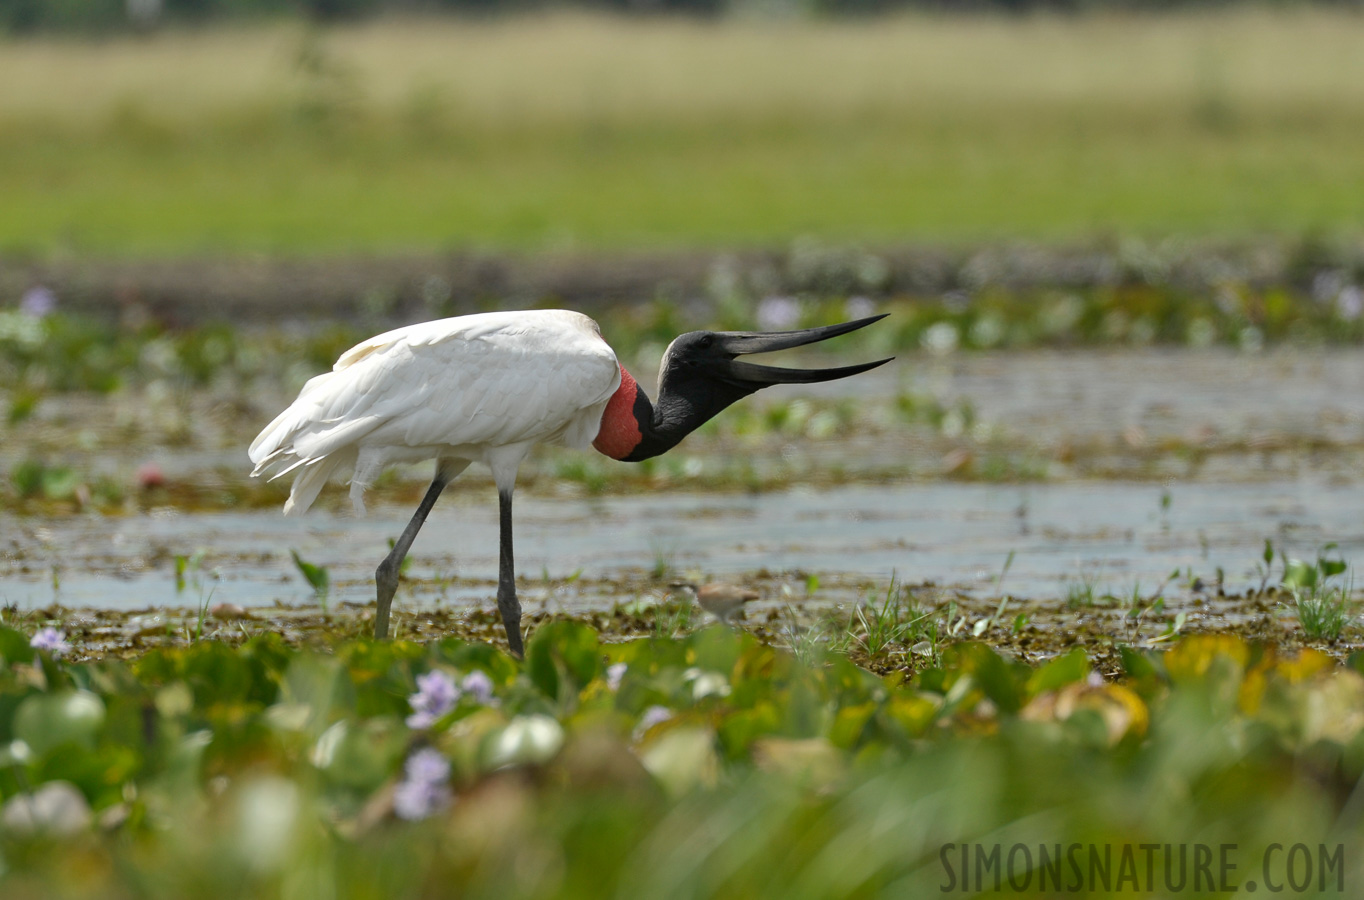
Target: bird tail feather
(309, 483)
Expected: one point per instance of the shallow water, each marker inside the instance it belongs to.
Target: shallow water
(1291, 424)
(1112, 535)
(1282, 409)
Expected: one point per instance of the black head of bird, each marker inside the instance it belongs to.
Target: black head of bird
(700, 375)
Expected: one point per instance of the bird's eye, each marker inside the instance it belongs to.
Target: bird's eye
(706, 341)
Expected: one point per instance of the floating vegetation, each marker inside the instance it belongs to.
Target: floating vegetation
(398, 769)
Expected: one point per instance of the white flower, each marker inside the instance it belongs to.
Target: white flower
(614, 674)
(940, 338)
(987, 331)
(1350, 303)
(705, 684)
(526, 740)
(778, 313)
(859, 308)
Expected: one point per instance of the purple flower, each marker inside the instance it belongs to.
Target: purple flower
(436, 695)
(414, 800)
(652, 716)
(614, 674)
(428, 766)
(51, 640)
(478, 686)
(778, 313)
(38, 302)
(425, 788)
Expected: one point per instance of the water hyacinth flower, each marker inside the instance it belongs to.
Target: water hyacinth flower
(436, 696)
(425, 788)
(428, 766)
(51, 640)
(652, 716)
(614, 674)
(38, 302)
(478, 686)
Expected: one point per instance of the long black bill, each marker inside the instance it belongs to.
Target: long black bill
(744, 342)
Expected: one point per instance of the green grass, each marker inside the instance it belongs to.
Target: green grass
(573, 132)
(1322, 594)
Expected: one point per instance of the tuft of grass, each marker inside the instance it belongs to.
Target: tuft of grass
(1322, 613)
(877, 626)
(1083, 592)
(673, 618)
(663, 565)
(1322, 595)
(808, 642)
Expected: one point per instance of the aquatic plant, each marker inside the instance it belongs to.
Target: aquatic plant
(1322, 595)
(247, 770)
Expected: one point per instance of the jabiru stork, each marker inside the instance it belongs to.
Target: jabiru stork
(486, 388)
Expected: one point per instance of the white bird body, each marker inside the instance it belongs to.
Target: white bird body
(479, 388)
(486, 388)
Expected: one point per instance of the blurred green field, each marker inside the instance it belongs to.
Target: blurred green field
(568, 132)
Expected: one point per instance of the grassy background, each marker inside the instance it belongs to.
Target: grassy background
(584, 132)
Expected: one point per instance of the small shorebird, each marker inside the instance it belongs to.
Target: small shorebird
(723, 601)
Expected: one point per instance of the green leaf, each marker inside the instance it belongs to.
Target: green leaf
(1000, 680)
(45, 721)
(717, 648)
(14, 646)
(361, 755)
(563, 657)
(59, 483)
(1300, 574)
(849, 725)
(739, 730)
(1137, 665)
(1332, 567)
(1059, 672)
(317, 576)
(27, 478)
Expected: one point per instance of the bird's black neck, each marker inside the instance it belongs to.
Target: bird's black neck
(634, 429)
(683, 406)
(661, 427)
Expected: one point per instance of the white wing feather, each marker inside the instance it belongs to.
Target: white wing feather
(456, 388)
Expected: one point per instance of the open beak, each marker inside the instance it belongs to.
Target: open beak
(739, 343)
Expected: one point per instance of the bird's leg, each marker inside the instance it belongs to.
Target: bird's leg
(507, 603)
(386, 576)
